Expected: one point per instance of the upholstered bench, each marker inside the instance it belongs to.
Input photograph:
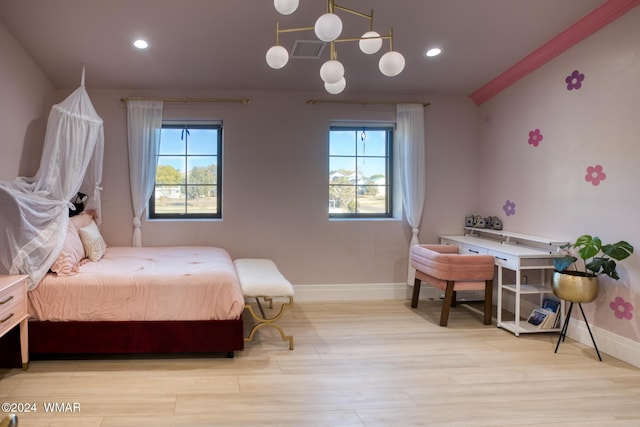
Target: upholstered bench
(260, 278)
(442, 267)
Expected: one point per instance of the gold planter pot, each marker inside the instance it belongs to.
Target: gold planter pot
(575, 286)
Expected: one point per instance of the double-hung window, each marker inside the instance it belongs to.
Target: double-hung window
(188, 172)
(360, 172)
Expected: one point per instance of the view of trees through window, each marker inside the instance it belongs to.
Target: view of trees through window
(360, 172)
(188, 172)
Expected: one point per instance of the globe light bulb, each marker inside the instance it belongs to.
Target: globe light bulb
(372, 44)
(336, 88)
(331, 71)
(328, 27)
(277, 57)
(391, 64)
(286, 7)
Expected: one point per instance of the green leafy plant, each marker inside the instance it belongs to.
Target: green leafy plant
(597, 258)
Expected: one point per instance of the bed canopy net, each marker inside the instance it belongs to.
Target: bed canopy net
(34, 211)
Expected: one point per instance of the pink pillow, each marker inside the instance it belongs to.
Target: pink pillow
(71, 255)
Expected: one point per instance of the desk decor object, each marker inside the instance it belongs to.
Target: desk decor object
(582, 285)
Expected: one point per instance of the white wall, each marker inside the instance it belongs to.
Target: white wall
(598, 124)
(24, 107)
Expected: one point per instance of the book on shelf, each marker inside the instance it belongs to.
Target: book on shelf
(546, 317)
(540, 317)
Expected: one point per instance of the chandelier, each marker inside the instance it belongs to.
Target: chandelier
(328, 28)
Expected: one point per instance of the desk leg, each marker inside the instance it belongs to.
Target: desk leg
(499, 312)
(516, 323)
(24, 343)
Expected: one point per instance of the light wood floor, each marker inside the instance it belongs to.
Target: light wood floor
(354, 364)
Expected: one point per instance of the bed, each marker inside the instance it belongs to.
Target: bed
(141, 300)
(98, 299)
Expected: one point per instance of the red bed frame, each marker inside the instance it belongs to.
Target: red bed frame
(133, 337)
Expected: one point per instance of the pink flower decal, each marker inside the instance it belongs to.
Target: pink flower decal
(509, 208)
(595, 175)
(535, 137)
(574, 81)
(621, 308)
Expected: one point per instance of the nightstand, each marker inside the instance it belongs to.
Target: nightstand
(13, 311)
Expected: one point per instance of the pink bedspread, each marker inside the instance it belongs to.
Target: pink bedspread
(144, 283)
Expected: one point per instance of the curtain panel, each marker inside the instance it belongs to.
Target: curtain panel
(144, 123)
(411, 141)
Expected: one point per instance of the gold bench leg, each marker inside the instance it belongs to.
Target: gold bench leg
(263, 321)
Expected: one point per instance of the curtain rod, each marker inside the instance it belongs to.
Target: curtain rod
(340, 101)
(241, 100)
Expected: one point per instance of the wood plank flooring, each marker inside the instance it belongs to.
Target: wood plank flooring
(374, 363)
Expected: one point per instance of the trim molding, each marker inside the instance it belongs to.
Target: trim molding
(595, 20)
(613, 345)
(351, 292)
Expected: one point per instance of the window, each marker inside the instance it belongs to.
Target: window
(360, 172)
(188, 173)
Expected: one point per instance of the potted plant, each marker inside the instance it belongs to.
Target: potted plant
(582, 285)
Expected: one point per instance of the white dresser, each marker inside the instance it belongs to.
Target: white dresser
(13, 311)
(519, 253)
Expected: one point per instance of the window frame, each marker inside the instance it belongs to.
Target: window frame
(389, 171)
(182, 124)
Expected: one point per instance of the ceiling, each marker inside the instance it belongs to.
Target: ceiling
(221, 44)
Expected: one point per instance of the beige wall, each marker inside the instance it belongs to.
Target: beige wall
(275, 174)
(24, 107)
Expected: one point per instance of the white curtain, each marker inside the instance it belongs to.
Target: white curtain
(34, 211)
(410, 138)
(144, 121)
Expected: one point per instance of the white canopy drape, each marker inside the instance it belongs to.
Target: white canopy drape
(34, 211)
(144, 122)
(410, 137)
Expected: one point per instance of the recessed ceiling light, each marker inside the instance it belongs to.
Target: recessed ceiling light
(433, 52)
(141, 44)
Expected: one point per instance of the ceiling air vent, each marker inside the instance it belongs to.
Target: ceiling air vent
(307, 49)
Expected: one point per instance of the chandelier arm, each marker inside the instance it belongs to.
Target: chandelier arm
(355, 39)
(355, 12)
(291, 30)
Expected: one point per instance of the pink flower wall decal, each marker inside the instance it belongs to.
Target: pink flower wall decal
(621, 308)
(509, 208)
(535, 137)
(595, 175)
(574, 80)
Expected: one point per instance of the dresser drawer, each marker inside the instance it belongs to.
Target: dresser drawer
(13, 305)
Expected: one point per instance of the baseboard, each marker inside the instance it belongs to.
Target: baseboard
(350, 292)
(614, 345)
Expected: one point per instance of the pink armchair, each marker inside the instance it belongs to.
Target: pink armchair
(442, 267)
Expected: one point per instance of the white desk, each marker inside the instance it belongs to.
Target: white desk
(517, 252)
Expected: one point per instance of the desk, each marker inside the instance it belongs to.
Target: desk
(517, 252)
(13, 311)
